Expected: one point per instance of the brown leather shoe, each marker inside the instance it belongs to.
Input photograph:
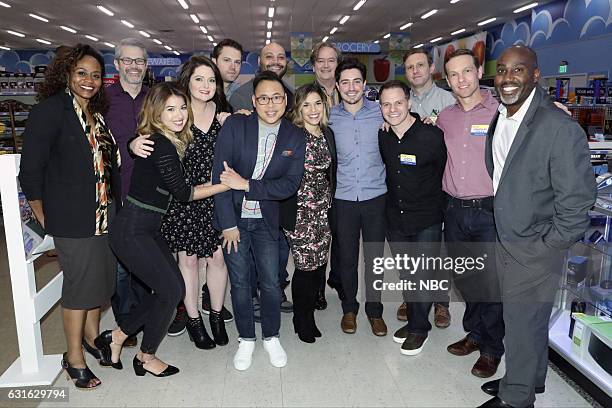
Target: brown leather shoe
(379, 328)
(486, 366)
(402, 312)
(349, 323)
(442, 317)
(131, 341)
(463, 347)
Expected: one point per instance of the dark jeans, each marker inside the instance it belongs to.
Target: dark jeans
(256, 242)
(355, 219)
(426, 242)
(334, 270)
(283, 259)
(137, 242)
(470, 232)
(129, 292)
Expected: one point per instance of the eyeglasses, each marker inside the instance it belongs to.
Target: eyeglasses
(129, 61)
(264, 100)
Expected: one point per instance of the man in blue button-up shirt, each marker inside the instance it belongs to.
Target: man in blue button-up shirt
(359, 203)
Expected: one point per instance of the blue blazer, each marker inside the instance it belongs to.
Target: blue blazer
(237, 145)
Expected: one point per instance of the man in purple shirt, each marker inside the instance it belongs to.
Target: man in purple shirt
(469, 226)
(126, 98)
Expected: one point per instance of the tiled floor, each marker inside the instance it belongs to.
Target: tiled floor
(338, 370)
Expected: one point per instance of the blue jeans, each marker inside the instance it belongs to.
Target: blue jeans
(256, 242)
(283, 259)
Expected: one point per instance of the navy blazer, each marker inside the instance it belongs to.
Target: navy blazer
(237, 145)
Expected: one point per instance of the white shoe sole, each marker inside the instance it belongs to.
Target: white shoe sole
(177, 334)
(242, 367)
(399, 340)
(413, 352)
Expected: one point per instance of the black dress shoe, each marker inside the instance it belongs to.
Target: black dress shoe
(139, 369)
(492, 388)
(103, 342)
(497, 402)
(95, 353)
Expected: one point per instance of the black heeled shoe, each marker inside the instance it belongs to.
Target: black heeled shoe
(321, 302)
(103, 342)
(139, 369)
(217, 328)
(95, 353)
(81, 377)
(198, 335)
(302, 330)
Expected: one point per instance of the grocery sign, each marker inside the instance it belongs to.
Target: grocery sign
(358, 47)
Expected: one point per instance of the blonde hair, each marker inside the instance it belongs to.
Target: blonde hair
(150, 115)
(300, 97)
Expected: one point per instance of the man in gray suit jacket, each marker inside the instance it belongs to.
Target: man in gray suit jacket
(544, 187)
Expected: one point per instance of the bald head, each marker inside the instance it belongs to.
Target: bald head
(516, 76)
(272, 58)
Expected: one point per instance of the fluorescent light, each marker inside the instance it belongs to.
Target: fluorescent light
(376, 42)
(144, 34)
(325, 38)
(105, 11)
(387, 35)
(156, 41)
(168, 48)
(359, 4)
(458, 31)
(405, 26)
(70, 30)
(270, 12)
(344, 19)
(454, 1)
(269, 25)
(15, 33)
(210, 38)
(183, 4)
(7, 6)
(214, 44)
(40, 40)
(91, 37)
(429, 14)
(2, 47)
(333, 30)
(418, 45)
(527, 7)
(109, 44)
(176, 52)
(487, 21)
(267, 42)
(127, 23)
(38, 17)
(269, 34)
(204, 30)
(195, 18)
(435, 39)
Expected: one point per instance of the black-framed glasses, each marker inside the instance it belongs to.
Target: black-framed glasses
(264, 100)
(129, 61)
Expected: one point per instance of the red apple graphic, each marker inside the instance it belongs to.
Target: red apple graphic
(382, 67)
(479, 50)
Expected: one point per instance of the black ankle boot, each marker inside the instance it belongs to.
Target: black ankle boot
(197, 333)
(299, 293)
(217, 328)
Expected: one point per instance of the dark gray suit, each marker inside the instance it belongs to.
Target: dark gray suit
(541, 208)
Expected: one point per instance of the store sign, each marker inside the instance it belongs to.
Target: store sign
(358, 47)
(563, 69)
(590, 92)
(163, 62)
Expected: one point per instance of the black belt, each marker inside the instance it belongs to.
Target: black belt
(485, 202)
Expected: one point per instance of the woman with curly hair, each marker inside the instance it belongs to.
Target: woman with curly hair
(70, 176)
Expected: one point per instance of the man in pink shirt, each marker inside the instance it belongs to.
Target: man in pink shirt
(469, 226)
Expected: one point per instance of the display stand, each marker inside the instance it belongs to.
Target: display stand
(32, 367)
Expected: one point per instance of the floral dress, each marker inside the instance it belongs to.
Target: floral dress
(311, 238)
(188, 226)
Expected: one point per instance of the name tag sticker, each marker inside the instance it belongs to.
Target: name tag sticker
(479, 130)
(408, 159)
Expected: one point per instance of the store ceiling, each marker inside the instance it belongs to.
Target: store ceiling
(243, 20)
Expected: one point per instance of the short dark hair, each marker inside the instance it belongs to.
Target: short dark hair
(419, 51)
(350, 63)
(266, 76)
(460, 52)
(227, 42)
(395, 84)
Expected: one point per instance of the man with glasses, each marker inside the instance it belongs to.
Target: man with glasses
(126, 98)
(261, 158)
(227, 55)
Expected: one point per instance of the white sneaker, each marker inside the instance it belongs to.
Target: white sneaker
(244, 355)
(278, 357)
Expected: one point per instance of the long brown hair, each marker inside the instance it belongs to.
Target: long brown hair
(150, 116)
(187, 71)
(300, 97)
(60, 69)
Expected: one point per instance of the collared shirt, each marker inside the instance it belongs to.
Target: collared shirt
(414, 164)
(265, 148)
(505, 132)
(361, 172)
(465, 135)
(334, 98)
(230, 89)
(432, 102)
(122, 120)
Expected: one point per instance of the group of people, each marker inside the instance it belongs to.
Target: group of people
(236, 176)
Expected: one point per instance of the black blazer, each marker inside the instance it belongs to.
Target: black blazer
(57, 168)
(288, 207)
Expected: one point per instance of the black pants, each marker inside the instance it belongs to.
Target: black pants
(334, 270)
(470, 232)
(355, 219)
(137, 242)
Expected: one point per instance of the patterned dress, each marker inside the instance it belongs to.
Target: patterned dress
(188, 226)
(312, 236)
